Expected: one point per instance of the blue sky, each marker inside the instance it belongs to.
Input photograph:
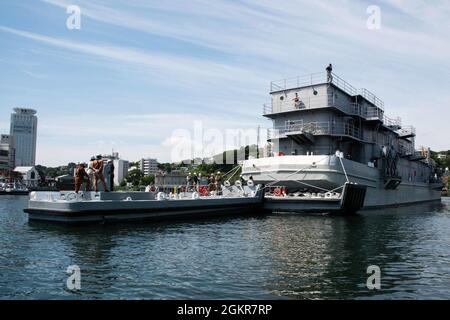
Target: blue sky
(138, 71)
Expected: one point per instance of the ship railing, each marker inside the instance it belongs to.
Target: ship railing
(369, 96)
(310, 80)
(316, 128)
(286, 105)
(344, 85)
(321, 78)
(392, 122)
(407, 131)
(299, 81)
(319, 101)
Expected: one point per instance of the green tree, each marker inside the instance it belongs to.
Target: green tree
(134, 177)
(147, 180)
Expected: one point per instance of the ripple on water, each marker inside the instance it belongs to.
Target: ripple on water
(274, 256)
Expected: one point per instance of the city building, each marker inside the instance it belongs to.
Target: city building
(4, 159)
(120, 170)
(6, 154)
(442, 156)
(148, 166)
(24, 132)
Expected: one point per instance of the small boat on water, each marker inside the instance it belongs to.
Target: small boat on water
(13, 188)
(83, 207)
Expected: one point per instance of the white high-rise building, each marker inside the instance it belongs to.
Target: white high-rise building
(148, 166)
(120, 170)
(24, 132)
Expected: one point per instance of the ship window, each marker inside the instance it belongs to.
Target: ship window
(281, 98)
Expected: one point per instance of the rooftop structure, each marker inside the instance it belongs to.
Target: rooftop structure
(312, 115)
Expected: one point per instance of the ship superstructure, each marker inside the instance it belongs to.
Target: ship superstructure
(326, 133)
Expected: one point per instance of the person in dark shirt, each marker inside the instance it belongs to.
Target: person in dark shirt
(329, 73)
(111, 176)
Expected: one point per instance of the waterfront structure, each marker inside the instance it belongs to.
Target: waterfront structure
(6, 154)
(30, 176)
(24, 132)
(327, 134)
(148, 166)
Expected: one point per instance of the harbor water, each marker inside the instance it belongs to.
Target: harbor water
(292, 256)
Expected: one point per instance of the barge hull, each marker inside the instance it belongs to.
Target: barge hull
(138, 210)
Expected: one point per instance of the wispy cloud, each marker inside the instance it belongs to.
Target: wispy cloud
(34, 74)
(273, 31)
(211, 61)
(155, 62)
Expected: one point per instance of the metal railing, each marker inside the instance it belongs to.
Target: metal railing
(319, 101)
(391, 122)
(316, 128)
(321, 78)
(407, 131)
(405, 148)
(299, 81)
(322, 101)
(369, 96)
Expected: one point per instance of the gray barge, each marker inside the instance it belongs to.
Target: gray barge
(84, 207)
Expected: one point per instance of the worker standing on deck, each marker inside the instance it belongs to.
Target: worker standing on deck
(98, 173)
(329, 73)
(296, 100)
(80, 175)
(212, 183)
(188, 181)
(195, 182)
(218, 180)
(109, 174)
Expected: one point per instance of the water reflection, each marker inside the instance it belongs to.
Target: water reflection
(327, 257)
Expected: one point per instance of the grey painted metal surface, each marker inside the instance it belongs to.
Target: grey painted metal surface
(129, 206)
(330, 133)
